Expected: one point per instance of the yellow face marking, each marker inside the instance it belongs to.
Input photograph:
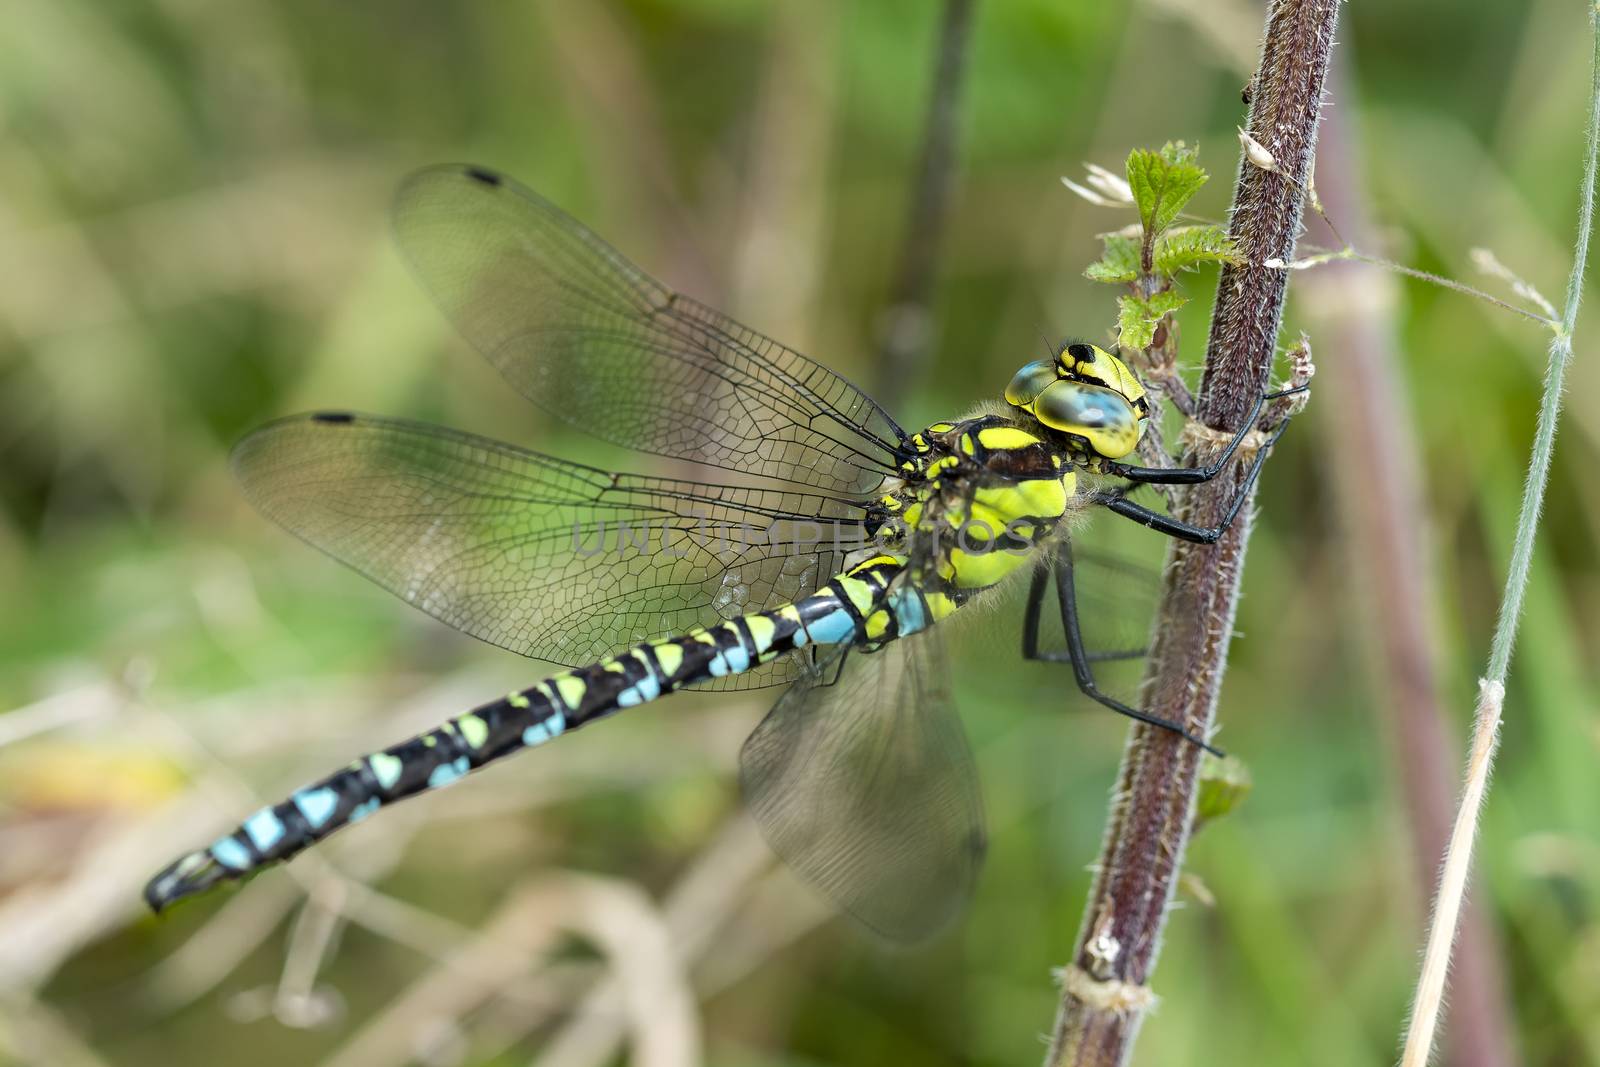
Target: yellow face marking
(670, 656)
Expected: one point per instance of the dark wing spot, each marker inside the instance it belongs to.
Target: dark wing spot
(337, 417)
(487, 177)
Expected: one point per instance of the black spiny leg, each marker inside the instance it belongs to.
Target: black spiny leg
(1195, 475)
(1076, 654)
(1188, 531)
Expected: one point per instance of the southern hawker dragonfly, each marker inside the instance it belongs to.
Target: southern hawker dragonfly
(822, 560)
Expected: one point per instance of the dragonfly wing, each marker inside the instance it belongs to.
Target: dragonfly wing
(867, 787)
(589, 337)
(536, 554)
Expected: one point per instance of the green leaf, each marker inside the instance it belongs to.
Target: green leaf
(1162, 183)
(1118, 263)
(1224, 783)
(1137, 319)
(1188, 247)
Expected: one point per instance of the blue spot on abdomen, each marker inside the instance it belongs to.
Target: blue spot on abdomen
(317, 805)
(265, 829)
(446, 773)
(231, 854)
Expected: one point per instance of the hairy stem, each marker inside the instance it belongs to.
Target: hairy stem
(1104, 995)
(1429, 999)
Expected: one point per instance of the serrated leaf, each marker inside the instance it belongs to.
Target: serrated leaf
(1118, 263)
(1162, 183)
(1188, 247)
(1137, 318)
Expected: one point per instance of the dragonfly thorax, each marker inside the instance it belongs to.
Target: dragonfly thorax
(1086, 395)
(977, 498)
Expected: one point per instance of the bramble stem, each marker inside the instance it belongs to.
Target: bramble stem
(1104, 994)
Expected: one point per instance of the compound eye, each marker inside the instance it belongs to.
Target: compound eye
(1101, 416)
(1029, 382)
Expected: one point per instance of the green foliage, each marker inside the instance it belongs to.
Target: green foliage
(1188, 247)
(1138, 317)
(1162, 183)
(1224, 784)
(1118, 263)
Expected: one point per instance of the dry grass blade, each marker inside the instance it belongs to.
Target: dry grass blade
(1429, 998)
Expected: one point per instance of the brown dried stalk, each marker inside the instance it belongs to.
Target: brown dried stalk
(1104, 993)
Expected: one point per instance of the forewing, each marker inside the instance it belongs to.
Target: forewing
(536, 554)
(592, 339)
(867, 787)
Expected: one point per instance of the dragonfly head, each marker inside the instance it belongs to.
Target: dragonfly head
(1087, 393)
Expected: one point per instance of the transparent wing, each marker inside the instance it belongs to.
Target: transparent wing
(592, 339)
(867, 788)
(535, 554)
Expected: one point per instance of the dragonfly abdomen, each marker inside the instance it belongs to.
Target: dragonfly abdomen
(857, 606)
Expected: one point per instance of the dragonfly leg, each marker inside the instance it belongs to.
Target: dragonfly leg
(1076, 654)
(1030, 635)
(1196, 475)
(1187, 531)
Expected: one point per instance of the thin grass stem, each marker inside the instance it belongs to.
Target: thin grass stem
(1428, 1002)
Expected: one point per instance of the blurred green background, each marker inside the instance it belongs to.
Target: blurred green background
(193, 239)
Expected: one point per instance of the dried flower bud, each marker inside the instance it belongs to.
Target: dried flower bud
(1104, 188)
(1257, 153)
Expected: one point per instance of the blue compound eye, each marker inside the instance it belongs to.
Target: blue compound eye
(1103, 417)
(1030, 381)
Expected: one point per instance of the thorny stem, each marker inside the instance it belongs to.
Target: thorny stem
(1486, 725)
(1104, 996)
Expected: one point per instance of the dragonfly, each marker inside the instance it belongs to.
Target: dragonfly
(821, 557)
